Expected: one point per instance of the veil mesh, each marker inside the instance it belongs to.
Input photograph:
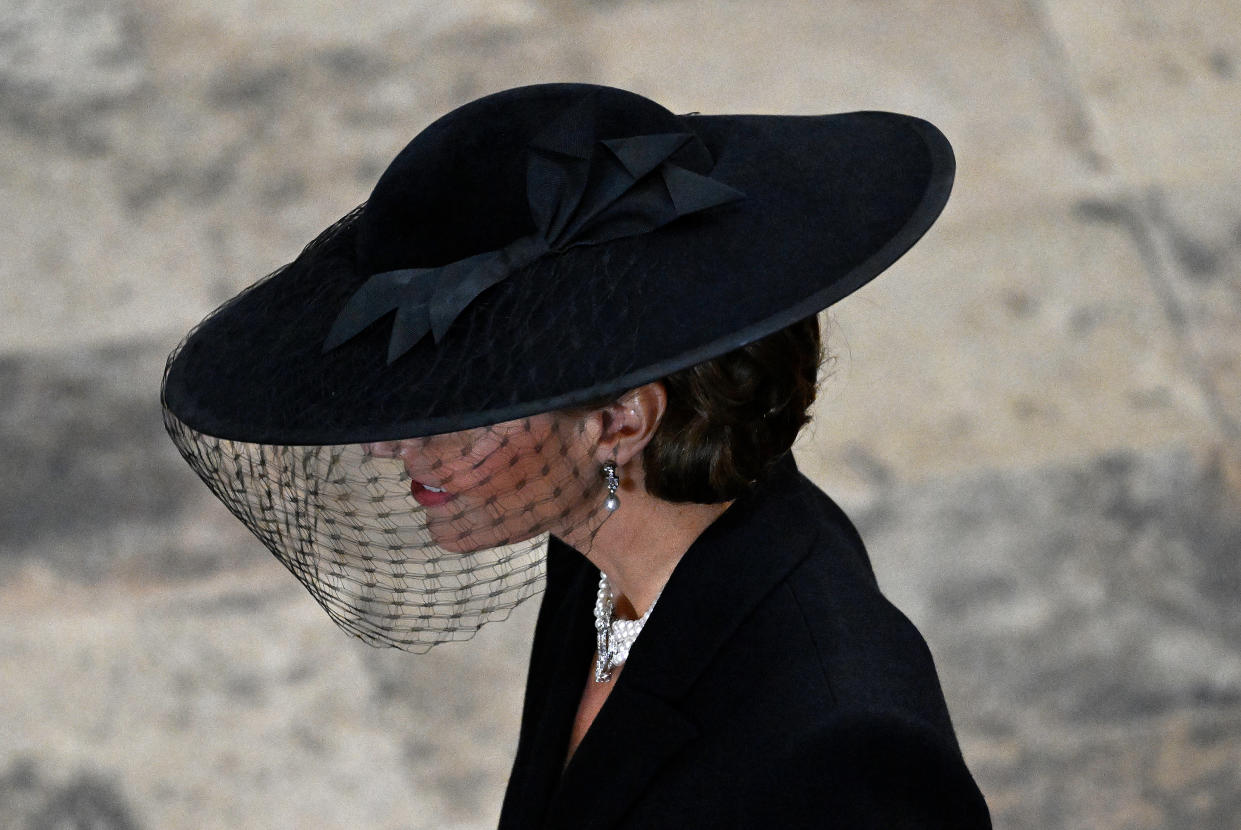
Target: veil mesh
(392, 560)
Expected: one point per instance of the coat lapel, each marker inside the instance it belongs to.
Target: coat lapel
(564, 637)
(633, 736)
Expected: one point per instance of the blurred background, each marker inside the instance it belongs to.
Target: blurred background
(1034, 417)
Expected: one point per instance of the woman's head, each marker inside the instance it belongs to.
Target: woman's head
(705, 434)
(507, 483)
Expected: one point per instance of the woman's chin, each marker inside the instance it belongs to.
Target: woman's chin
(451, 539)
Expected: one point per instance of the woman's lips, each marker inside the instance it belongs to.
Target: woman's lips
(428, 496)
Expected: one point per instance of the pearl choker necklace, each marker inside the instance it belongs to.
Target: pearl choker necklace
(615, 637)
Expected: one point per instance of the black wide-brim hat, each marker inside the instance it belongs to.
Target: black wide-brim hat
(550, 245)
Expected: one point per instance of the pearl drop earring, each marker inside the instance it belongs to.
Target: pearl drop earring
(609, 475)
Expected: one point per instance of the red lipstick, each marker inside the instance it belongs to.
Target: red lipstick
(426, 496)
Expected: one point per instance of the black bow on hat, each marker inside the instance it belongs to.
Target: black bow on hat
(582, 190)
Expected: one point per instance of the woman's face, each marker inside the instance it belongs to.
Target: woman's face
(501, 484)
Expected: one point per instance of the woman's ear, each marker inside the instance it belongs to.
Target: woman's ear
(628, 423)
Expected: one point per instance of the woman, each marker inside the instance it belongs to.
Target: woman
(566, 312)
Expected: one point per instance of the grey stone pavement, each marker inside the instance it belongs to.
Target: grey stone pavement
(1035, 416)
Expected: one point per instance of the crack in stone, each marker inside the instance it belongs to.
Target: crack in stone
(1078, 130)
(1147, 223)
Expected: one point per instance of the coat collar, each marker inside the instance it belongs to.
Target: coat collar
(719, 581)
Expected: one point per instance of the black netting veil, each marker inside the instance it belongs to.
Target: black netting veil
(416, 542)
(405, 543)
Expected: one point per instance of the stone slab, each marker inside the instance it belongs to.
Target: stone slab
(1084, 621)
(1034, 336)
(1161, 83)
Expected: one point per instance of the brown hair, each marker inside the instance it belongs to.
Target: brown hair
(729, 419)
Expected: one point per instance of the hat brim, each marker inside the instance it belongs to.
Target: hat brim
(830, 202)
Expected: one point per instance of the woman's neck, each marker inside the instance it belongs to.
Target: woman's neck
(640, 544)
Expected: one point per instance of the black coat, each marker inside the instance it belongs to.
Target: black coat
(772, 687)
